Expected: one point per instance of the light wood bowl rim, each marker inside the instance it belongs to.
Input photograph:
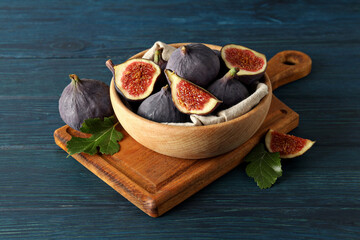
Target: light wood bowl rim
(119, 103)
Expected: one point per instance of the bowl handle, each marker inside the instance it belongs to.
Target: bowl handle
(288, 66)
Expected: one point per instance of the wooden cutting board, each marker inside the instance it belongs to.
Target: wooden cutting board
(155, 183)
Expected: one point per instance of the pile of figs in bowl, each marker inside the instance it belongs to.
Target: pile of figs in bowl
(198, 79)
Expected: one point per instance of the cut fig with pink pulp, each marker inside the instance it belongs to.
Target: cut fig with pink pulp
(190, 98)
(135, 78)
(287, 145)
(251, 64)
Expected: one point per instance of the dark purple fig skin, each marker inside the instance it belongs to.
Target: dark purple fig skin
(229, 90)
(83, 99)
(159, 107)
(223, 68)
(196, 63)
(250, 79)
(131, 105)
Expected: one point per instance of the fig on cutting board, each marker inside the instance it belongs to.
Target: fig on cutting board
(196, 63)
(190, 98)
(228, 89)
(83, 99)
(135, 78)
(287, 145)
(252, 65)
(159, 107)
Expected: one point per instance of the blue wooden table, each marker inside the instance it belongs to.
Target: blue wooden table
(44, 195)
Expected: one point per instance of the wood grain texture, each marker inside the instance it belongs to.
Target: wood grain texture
(288, 66)
(155, 183)
(44, 195)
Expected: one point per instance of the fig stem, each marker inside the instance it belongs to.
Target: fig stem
(165, 87)
(232, 73)
(74, 78)
(184, 50)
(110, 65)
(157, 55)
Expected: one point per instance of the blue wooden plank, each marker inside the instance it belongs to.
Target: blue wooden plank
(44, 195)
(80, 200)
(66, 30)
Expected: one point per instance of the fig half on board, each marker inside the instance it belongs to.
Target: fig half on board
(190, 98)
(135, 78)
(251, 64)
(287, 145)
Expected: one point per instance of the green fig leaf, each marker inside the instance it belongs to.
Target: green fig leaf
(263, 166)
(104, 137)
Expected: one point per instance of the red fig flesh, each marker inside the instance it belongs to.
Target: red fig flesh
(287, 145)
(135, 78)
(190, 98)
(252, 65)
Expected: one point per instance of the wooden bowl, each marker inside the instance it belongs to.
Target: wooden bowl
(192, 142)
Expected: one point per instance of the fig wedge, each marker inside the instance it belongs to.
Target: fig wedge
(190, 98)
(287, 145)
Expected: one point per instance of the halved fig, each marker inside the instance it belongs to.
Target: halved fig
(287, 145)
(196, 63)
(135, 78)
(190, 98)
(252, 65)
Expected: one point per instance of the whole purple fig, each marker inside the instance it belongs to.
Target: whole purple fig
(229, 89)
(196, 63)
(83, 99)
(159, 107)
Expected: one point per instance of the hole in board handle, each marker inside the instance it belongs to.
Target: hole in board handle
(283, 111)
(289, 63)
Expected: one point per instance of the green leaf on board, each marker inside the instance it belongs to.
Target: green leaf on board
(263, 166)
(104, 137)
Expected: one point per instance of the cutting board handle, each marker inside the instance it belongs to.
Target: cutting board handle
(288, 66)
